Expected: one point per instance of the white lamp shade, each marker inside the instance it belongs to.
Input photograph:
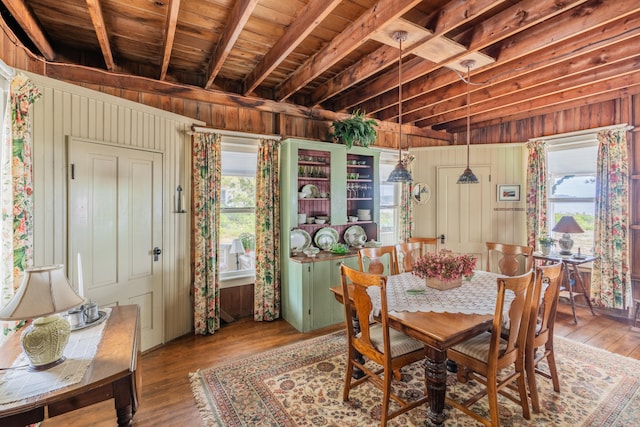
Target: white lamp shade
(44, 291)
(237, 247)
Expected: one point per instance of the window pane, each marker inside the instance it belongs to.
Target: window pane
(572, 186)
(572, 191)
(237, 213)
(238, 192)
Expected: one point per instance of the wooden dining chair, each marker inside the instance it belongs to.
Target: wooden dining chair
(541, 324)
(407, 254)
(510, 258)
(429, 244)
(381, 260)
(376, 342)
(481, 358)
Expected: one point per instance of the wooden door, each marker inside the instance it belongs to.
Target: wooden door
(464, 211)
(115, 223)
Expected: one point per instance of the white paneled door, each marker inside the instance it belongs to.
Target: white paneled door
(115, 224)
(464, 211)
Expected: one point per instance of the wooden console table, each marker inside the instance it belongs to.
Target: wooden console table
(111, 375)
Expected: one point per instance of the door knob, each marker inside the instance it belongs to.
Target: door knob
(156, 251)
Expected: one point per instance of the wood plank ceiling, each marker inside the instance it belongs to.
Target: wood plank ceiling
(324, 58)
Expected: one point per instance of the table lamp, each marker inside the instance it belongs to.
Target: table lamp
(566, 225)
(237, 248)
(44, 292)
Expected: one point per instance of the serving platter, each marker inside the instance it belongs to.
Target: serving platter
(310, 191)
(355, 236)
(325, 238)
(300, 240)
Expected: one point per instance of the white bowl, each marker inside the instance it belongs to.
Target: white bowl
(325, 218)
(302, 195)
(320, 221)
(310, 220)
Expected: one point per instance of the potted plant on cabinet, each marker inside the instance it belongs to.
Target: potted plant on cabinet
(546, 243)
(357, 129)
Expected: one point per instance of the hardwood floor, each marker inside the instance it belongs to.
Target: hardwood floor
(166, 398)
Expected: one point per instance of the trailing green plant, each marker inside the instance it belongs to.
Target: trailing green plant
(546, 240)
(357, 129)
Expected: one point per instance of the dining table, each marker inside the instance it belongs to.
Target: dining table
(440, 319)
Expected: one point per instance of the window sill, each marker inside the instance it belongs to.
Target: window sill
(237, 278)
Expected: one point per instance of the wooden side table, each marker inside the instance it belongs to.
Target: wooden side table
(568, 288)
(111, 375)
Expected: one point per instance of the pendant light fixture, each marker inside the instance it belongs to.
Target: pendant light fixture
(400, 173)
(468, 177)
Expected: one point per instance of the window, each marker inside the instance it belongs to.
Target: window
(237, 211)
(389, 202)
(571, 187)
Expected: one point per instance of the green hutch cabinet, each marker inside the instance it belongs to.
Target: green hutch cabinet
(341, 185)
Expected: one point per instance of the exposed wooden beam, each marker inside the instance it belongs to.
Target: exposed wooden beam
(453, 15)
(23, 16)
(544, 110)
(95, 11)
(505, 24)
(79, 74)
(239, 16)
(169, 35)
(340, 46)
(310, 17)
(592, 84)
(615, 42)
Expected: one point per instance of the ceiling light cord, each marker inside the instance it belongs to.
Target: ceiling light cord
(400, 173)
(468, 177)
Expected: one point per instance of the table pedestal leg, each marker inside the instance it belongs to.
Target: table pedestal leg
(435, 372)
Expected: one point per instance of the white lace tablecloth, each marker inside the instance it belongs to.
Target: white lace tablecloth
(19, 382)
(476, 296)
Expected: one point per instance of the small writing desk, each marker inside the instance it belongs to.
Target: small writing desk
(111, 375)
(568, 288)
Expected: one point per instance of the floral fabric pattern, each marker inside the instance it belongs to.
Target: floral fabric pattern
(207, 176)
(16, 188)
(536, 203)
(266, 289)
(611, 277)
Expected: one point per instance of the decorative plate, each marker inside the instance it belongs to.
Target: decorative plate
(355, 236)
(310, 190)
(325, 238)
(300, 240)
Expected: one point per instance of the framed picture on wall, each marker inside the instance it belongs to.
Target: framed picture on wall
(508, 192)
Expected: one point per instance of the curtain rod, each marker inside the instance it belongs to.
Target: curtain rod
(234, 133)
(581, 132)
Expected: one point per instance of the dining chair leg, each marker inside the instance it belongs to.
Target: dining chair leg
(551, 361)
(347, 379)
(530, 368)
(385, 400)
(492, 396)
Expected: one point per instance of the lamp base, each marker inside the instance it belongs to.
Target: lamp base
(565, 243)
(44, 341)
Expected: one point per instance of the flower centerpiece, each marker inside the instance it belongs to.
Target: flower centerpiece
(444, 269)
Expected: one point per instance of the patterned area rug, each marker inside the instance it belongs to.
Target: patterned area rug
(301, 385)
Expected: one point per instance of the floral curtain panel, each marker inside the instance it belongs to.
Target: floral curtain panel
(536, 203)
(267, 283)
(611, 277)
(206, 176)
(16, 189)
